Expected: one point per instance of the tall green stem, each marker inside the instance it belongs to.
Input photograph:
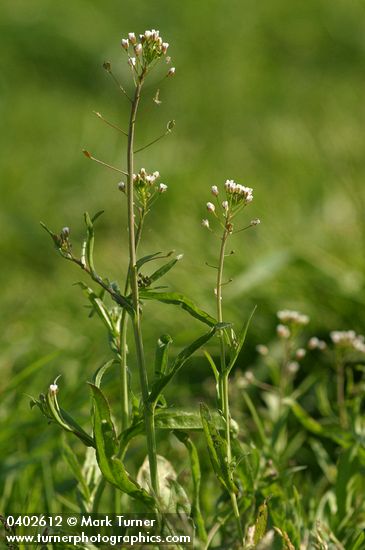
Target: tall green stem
(123, 340)
(224, 374)
(341, 394)
(136, 321)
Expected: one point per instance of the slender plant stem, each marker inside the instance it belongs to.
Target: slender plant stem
(124, 382)
(224, 374)
(341, 394)
(136, 321)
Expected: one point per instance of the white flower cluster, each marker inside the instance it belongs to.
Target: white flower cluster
(145, 185)
(239, 192)
(288, 316)
(316, 343)
(348, 339)
(147, 49)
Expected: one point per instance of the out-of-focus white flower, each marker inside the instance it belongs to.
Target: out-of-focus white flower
(215, 190)
(283, 331)
(262, 350)
(121, 186)
(225, 205)
(162, 188)
(210, 207)
(171, 71)
(293, 367)
(256, 221)
(300, 353)
(316, 343)
(156, 174)
(348, 339)
(125, 43)
(294, 317)
(138, 49)
(205, 223)
(147, 35)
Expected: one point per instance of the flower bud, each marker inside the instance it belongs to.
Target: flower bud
(53, 389)
(132, 38)
(162, 188)
(121, 186)
(205, 223)
(225, 205)
(125, 43)
(164, 47)
(214, 190)
(147, 35)
(138, 49)
(65, 232)
(210, 207)
(171, 71)
(256, 221)
(132, 61)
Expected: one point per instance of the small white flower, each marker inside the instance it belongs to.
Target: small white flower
(283, 331)
(150, 179)
(53, 389)
(65, 232)
(156, 174)
(125, 43)
(300, 353)
(164, 47)
(210, 207)
(132, 61)
(147, 35)
(143, 172)
(214, 190)
(293, 367)
(162, 188)
(262, 350)
(171, 71)
(138, 49)
(205, 223)
(249, 376)
(225, 205)
(132, 38)
(256, 221)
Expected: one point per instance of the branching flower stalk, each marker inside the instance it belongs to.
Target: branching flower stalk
(237, 197)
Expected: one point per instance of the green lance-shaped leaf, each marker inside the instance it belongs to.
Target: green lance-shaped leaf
(100, 308)
(161, 354)
(196, 478)
(56, 238)
(75, 468)
(107, 448)
(90, 237)
(160, 383)
(101, 371)
(240, 341)
(49, 406)
(146, 259)
(260, 523)
(217, 448)
(180, 300)
(156, 275)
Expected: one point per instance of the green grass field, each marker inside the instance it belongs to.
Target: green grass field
(267, 93)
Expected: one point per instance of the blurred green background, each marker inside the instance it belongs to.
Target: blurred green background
(268, 93)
